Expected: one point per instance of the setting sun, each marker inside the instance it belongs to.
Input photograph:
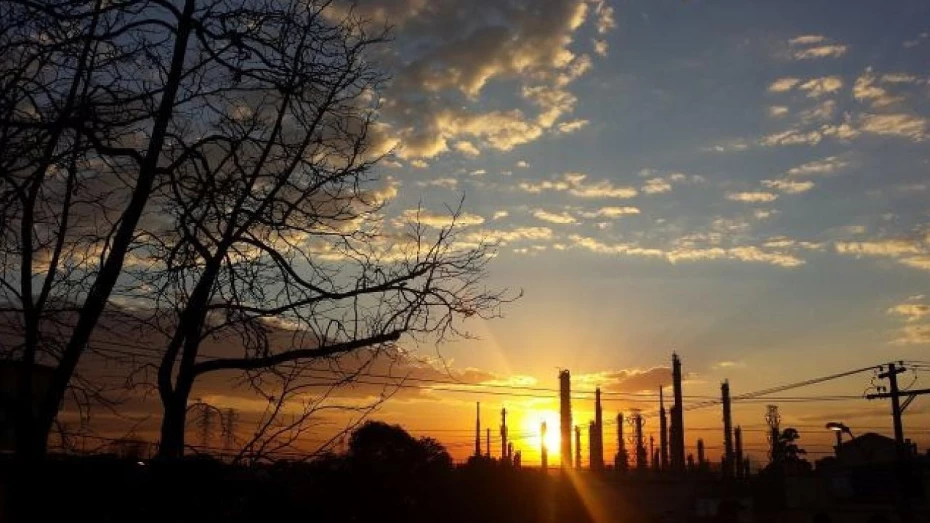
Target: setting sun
(532, 423)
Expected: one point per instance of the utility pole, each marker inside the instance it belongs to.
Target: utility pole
(905, 483)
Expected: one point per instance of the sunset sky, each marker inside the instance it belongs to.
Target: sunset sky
(744, 183)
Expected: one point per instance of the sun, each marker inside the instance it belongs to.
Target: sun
(532, 422)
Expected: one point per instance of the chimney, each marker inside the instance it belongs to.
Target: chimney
(505, 455)
(543, 451)
(738, 436)
(478, 429)
(577, 447)
(728, 460)
(597, 448)
(677, 432)
(620, 460)
(663, 431)
(565, 427)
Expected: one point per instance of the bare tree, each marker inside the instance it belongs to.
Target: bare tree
(274, 218)
(209, 165)
(82, 127)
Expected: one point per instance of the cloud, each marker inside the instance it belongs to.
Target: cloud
(822, 112)
(438, 220)
(909, 126)
(911, 311)
(627, 380)
(866, 89)
(574, 183)
(600, 47)
(419, 164)
(656, 186)
(783, 85)
(789, 186)
(688, 252)
(446, 183)
(605, 18)
(808, 47)
(821, 51)
(562, 218)
(807, 40)
(478, 172)
(611, 212)
(828, 165)
(467, 148)
(437, 98)
(572, 126)
(817, 87)
(500, 214)
(522, 164)
(792, 137)
(755, 197)
(778, 111)
(893, 248)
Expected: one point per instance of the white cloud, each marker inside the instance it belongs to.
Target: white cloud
(792, 137)
(866, 89)
(656, 186)
(754, 197)
(574, 183)
(478, 172)
(821, 51)
(439, 220)
(600, 47)
(419, 164)
(467, 148)
(500, 214)
(901, 125)
(783, 85)
(562, 218)
(828, 165)
(807, 40)
(605, 18)
(911, 311)
(778, 111)
(446, 183)
(571, 126)
(789, 186)
(893, 248)
(611, 212)
(824, 85)
(522, 164)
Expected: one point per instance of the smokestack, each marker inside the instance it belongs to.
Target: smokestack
(640, 444)
(677, 432)
(577, 447)
(738, 435)
(543, 451)
(505, 455)
(592, 445)
(565, 403)
(663, 431)
(487, 442)
(478, 429)
(728, 460)
(620, 460)
(597, 448)
(700, 451)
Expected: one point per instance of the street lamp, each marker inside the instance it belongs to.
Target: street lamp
(839, 428)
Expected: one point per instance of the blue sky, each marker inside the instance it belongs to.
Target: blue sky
(744, 182)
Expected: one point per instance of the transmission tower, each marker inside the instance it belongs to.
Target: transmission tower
(773, 420)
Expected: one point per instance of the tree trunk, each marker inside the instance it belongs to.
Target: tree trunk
(171, 446)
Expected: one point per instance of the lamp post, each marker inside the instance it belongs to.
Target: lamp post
(839, 428)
